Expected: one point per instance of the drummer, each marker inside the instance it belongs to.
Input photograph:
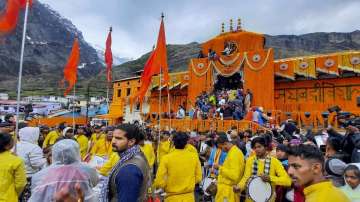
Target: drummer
(265, 166)
(179, 171)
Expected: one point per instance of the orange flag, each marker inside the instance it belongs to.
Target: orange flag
(160, 60)
(9, 17)
(108, 56)
(156, 62)
(70, 71)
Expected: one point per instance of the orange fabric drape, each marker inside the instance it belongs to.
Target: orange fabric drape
(327, 64)
(199, 66)
(228, 69)
(70, 71)
(285, 68)
(197, 84)
(259, 77)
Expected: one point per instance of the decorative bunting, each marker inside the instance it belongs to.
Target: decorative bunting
(229, 70)
(256, 60)
(229, 60)
(350, 62)
(305, 67)
(200, 66)
(285, 68)
(327, 64)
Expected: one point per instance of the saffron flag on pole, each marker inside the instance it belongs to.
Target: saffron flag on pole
(9, 17)
(70, 70)
(156, 62)
(108, 57)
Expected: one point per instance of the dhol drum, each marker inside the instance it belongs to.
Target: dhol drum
(209, 186)
(96, 161)
(258, 190)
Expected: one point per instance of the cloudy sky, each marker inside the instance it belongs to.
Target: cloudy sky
(136, 22)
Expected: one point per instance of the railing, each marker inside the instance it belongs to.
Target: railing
(54, 121)
(314, 120)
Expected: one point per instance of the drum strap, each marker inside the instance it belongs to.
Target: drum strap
(266, 166)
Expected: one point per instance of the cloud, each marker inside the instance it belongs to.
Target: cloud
(136, 22)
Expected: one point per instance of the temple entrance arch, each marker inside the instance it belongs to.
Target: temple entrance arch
(230, 83)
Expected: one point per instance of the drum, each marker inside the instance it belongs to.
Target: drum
(258, 190)
(209, 186)
(96, 161)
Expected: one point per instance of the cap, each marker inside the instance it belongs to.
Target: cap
(335, 167)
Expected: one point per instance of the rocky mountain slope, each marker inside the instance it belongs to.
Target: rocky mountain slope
(50, 36)
(284, 46)
(49, 41)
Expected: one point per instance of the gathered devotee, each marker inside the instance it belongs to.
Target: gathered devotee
(268, 168)
(352, 182)
(231, 172)
(306, 166)
(179, 171)
(66, 170)
(12, 171)
(129, 178)
(29, 150)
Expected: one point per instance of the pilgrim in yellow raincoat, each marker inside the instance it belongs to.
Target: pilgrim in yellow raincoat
(230, 174)
(178, 173)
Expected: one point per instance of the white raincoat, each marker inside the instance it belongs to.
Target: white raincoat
(66, 170)
(29, 150)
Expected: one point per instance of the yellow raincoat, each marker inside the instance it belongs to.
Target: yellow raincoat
(324, 192)
(12, 177)
(178, 173)
(51, 138)
(188, 147)
(109, 164)
(149, 153)
(102, 148)
(83, 143)
(164, 148)
(277, 173)
(230, 174)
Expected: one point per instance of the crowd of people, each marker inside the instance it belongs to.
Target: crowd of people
(222, 104)
(133, 162)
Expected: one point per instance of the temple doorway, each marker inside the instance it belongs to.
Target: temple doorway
(229, 83)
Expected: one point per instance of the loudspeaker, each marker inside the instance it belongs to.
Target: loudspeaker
(334, 109)
(358, 101)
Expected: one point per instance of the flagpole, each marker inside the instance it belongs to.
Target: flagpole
(107, 100)
(73, 112)
(20, 72)
(169, 108)
(108, 73)
(159, 124)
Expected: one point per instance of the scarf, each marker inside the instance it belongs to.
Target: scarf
(125, 156)
(266, 165)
